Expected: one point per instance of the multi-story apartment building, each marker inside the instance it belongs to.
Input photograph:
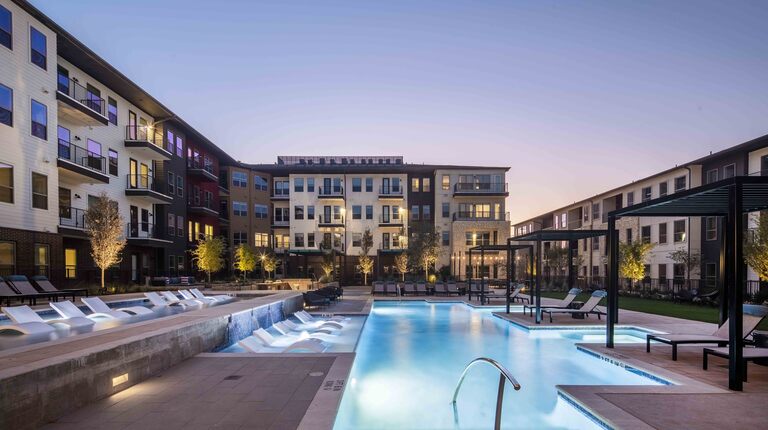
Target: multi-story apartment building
(693, 235)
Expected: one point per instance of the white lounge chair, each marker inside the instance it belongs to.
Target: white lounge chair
(25, 324)
(173, 300)
(189, 296)
(219, 297)
(25, 315)
(564, 304)
(101, 309)
(589, 307)
(753, 315)
(307, 318)
(287, 327)
(69, 311)
(262, 338)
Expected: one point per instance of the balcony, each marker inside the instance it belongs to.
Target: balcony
(280, 194)
(145, 234)
(201, 169)
(336, 193)
(84, 165)
(145, 186)
(469, 216)
(276, 223)
(386, 248)
(72, 222)
(79, 105)
(330, 221)
(390, 193)
(390, 221)
(481, 189)
(201, 206)
(147, 141)
(336, 245)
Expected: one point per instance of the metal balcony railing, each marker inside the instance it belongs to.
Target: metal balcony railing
(200, 164)
(480, 187)
(144, 182)
(143, 230)
(330, 192)
(480, 216)
(199, 201)
(143, 133)
(82, 95)
(391, 191)
(323, 219)
(390, 219)
(71, 217)
(81, 156)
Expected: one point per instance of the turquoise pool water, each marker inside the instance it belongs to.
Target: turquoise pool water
(411, 354)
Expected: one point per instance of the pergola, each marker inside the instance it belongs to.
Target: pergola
(511, 250)
(570, 236)
(729, 200)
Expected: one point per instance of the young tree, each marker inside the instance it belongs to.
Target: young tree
(245, 259)
(557, 260)
(424, 250)
(104, 227)
(401, 263)
(756, 246)
(208, 255)
(268, 262)
(691, 261)
(632, 259)
(328, 265)
(365, 260)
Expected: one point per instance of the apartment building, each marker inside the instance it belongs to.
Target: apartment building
(697, 236)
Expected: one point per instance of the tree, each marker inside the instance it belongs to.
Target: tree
(268, 262)
(557, 259)
(208, 255)
(328, 265)
(756, 246)
(365, 260)
(401, 263)
(424, 249)
(245, 259)
(104, 227)
(632, 259)
(691, 261)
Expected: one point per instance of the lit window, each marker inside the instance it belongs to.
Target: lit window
(6, 183)
(70, 263)
(446, 183)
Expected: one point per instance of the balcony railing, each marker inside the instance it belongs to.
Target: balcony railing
(198, 164)
(469, 216)
(330, 192)
(144, 182)
(71, 217)
(335, 245)
(200, 202)
(143, 230)
(390, 219)
(81, 94)
(81, 156)
(481, 187)
(143, 133)
(281, 193)
(391, 191)
(330, 220)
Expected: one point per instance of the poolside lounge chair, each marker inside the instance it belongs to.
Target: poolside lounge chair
(748, 354)
(440, 289)
(99, 308)
(753, 315)
(285, 328)
(172, 299)
(452, 288)
(46, 286)
(378, 288)
(262, 338)
(421, 288)
(69, 311)
(219, 297)
(564, 304)
(315, 300)
(31, 325)
(391, 288)
(24, 314)
(589, 307)
(21, 284)
(7, 293)
(409, 288)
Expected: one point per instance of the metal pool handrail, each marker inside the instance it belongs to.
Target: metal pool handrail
(504, 376)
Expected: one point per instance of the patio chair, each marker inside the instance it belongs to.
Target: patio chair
(391, 288)
(564, 304)
(747, 355)
(589, 307)
(101, 309)
(23, 323)
(69, 311)
(222, 298)
(378, 288)
(21, 284)
(753, 315)
(409, 288)
(452, 288)
(24, 314)
(262, 338)
(421, 288)
(46, 286)
(7, 293)
(315, 300)
(440, 289)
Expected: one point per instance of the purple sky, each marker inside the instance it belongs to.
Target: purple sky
(577, 97)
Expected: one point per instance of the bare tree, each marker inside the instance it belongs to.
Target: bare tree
(104, 227)
(208, 255)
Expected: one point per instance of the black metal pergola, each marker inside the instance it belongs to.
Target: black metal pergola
(570, 236)
(729, 199)
(511, 251)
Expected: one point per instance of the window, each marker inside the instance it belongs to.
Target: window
(171, 183)
(6, 183)
(240, 208)
(426, 211)
(629, 235)
(663, 232)
(260, 211)
(357, 185)
(239, 238)
(415, 213)
(712, 176)
(70, 263)
(261, 240)
(357, 239)
(595, 243)
(39, 120)
(710, 274)
(170, 137)
(414, 185)
(6, 28)
(595, 210)
(426, 185)
(281, 214)
(446, 183)
(630, 198)
(369, 212)
(368, 185)
(260, 183)
(281, 188)
(113, 163)
(7, 257)
(179, 226)
(208, 230)
(446, 238)
(42, 259)
(357, 212)
(171, 224)
(729, 171)
(38, 48)
(298, 240)
(662, 189)
(678, 272)
(446, 210)
(298, 212)
(646, 194)
(39, 191)
(395, 240)
(385, 241)
(310, 212)
(112, 110)
(645, 234)
(679, 231)
(179, 148)
(298, 185)
(395, 212)
(662, 273)
(680, 183)
(6, 106)
(239, 179)
(310, 185)
(711, 228)
(179, 185)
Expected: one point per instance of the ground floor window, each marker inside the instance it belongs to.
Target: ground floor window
(42, 259)
(7, 258)
(70, 263)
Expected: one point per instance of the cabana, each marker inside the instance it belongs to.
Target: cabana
(729, 199)
(570, 236)
(511, 251)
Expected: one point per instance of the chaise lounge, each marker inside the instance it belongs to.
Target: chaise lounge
(589, 307)
(101, 309)
(262, 338)
(564, 304)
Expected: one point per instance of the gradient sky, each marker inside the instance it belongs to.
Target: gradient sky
(577, 97)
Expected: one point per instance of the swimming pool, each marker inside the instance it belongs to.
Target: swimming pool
(411, 354)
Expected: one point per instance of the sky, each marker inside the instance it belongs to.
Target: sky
(576, 97)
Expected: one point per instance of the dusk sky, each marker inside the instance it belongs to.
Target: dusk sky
(576, 97)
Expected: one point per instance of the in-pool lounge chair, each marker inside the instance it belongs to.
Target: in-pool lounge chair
(30, 325)
(221, 298)
(589, 307)
(159, 301)
(753, 314)
(68, 310)
(286, 327)
(46, 286)
(308, 319)
(186, 295)
(564, 304)
(262, 338)
(101, 309)
(21, 284)
(22, 315)
(173, 300)
(747, 354)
